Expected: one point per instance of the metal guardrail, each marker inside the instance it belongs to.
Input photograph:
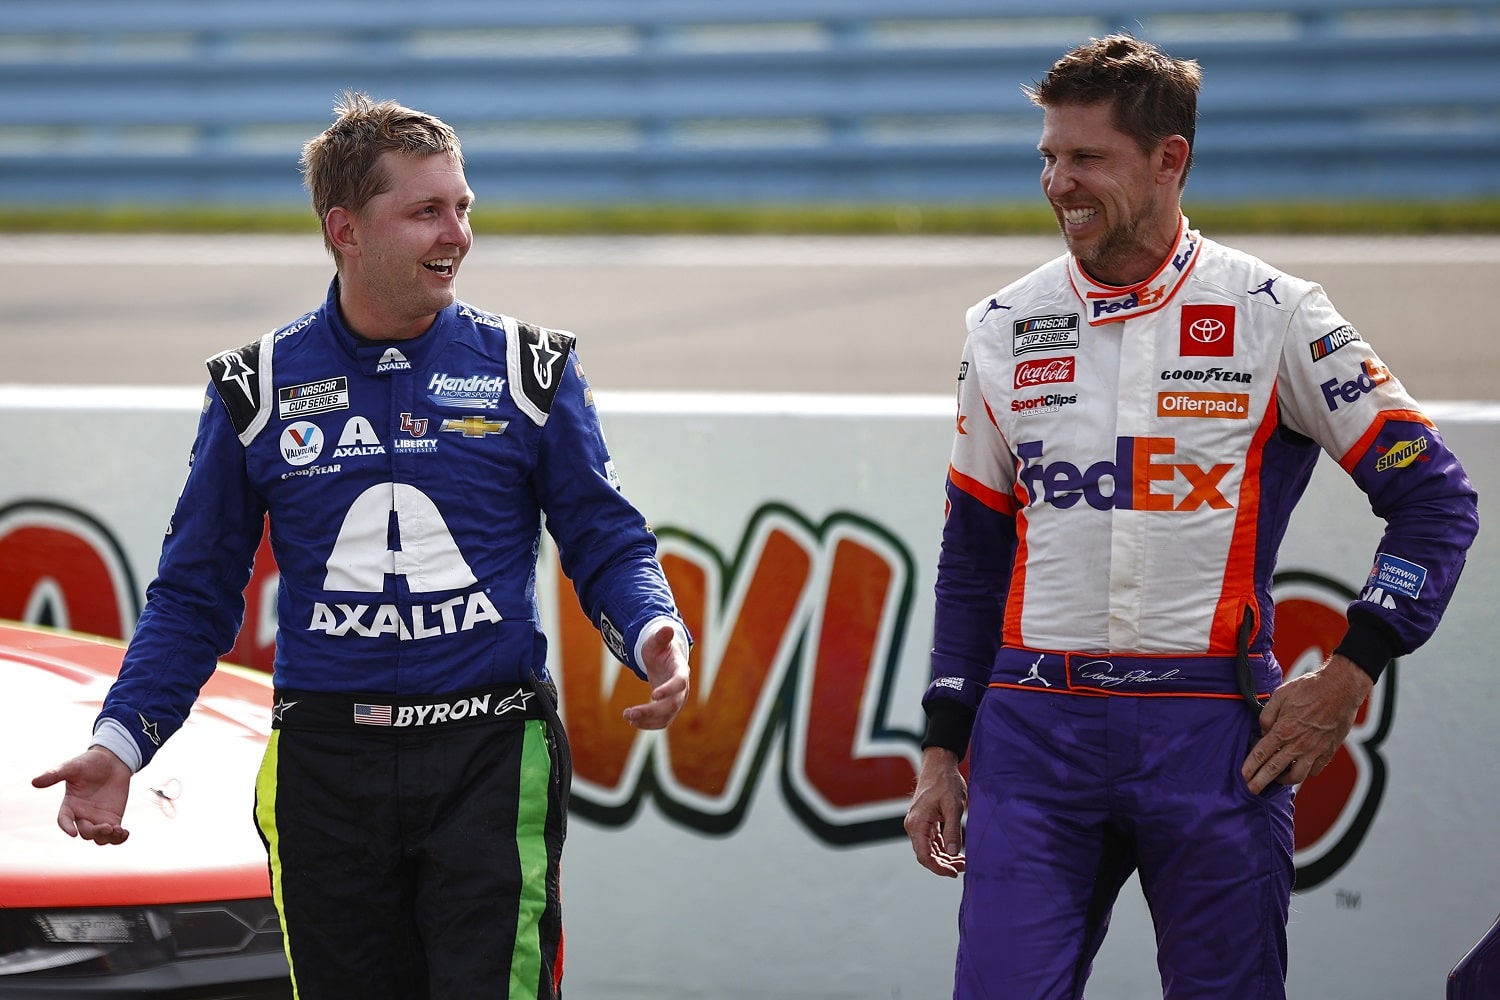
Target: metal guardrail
(732, 100)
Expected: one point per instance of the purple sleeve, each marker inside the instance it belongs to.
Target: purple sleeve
(974, 567)
(1417, 486)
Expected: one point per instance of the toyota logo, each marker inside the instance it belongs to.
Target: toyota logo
(1207, 331)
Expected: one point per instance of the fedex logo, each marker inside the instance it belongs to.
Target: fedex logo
(1142, 476)
(1371, 374)
(1126, 303)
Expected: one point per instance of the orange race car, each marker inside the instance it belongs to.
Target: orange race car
(183, 908)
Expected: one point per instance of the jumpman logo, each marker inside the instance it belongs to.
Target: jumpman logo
(1266, 287)
(1035, 674)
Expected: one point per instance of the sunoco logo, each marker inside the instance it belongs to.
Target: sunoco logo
(1401, 454)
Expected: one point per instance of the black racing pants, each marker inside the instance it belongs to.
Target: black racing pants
(415, 843)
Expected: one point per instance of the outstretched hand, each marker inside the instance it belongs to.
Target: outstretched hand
(665, 658)
(96, 786)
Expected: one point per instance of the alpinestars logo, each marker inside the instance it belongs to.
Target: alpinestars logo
(237, 371)
(543, 356)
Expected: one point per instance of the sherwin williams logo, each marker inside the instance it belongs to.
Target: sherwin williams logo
(1393, 575)
(1207, 331)
(1222, 405)
(1045, 372)
(1141, 477)
(301, 443)
(1337, 806)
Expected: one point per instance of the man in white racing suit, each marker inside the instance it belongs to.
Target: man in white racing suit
(1136, 421)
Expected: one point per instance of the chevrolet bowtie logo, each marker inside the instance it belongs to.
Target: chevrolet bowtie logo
(474, 427)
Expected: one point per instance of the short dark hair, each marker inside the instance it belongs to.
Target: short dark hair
(1154, 95)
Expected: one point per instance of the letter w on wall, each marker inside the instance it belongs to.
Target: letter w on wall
(797, 636)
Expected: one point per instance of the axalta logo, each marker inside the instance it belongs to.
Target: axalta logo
(1220, 405)
(362, 559)
(473, 392)
(1371, 374)
(1136, 299)
(457, 614)
(1142, 476)
(358, 439)
(1044, 372)
(392, 361)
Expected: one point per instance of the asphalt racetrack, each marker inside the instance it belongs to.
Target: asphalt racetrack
(717, 314)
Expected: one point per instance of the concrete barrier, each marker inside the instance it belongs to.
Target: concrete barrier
(755, 849)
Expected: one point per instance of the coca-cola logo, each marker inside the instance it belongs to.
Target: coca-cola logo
(1044, 371)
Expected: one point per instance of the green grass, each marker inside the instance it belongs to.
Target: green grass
(1324, 218)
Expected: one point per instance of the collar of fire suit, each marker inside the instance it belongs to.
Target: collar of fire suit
(1112, 304)
(387, 357)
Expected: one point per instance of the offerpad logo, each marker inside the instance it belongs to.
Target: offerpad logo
(1207, 331)
(1336, 807)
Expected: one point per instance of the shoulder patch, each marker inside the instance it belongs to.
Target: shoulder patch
(539, 364)
(236, 375)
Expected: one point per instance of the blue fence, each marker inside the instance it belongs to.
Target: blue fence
(731, 101)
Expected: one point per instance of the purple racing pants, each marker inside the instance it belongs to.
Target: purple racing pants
(1071, 791)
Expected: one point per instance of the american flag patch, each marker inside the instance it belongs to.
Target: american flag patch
(372, 715)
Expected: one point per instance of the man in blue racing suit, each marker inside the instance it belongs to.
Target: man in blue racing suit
(406, 447)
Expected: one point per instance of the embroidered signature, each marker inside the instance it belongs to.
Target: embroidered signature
(1105, 678)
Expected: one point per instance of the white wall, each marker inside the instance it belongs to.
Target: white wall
(748, 853)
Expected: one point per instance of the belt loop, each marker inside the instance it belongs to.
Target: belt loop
(1243, 673)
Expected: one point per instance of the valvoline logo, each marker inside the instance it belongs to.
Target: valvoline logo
(1142, 476)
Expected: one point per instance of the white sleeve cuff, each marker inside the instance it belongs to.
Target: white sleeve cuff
(112, 736)
(650, 630)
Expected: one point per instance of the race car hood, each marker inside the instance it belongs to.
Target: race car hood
(190, 815)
